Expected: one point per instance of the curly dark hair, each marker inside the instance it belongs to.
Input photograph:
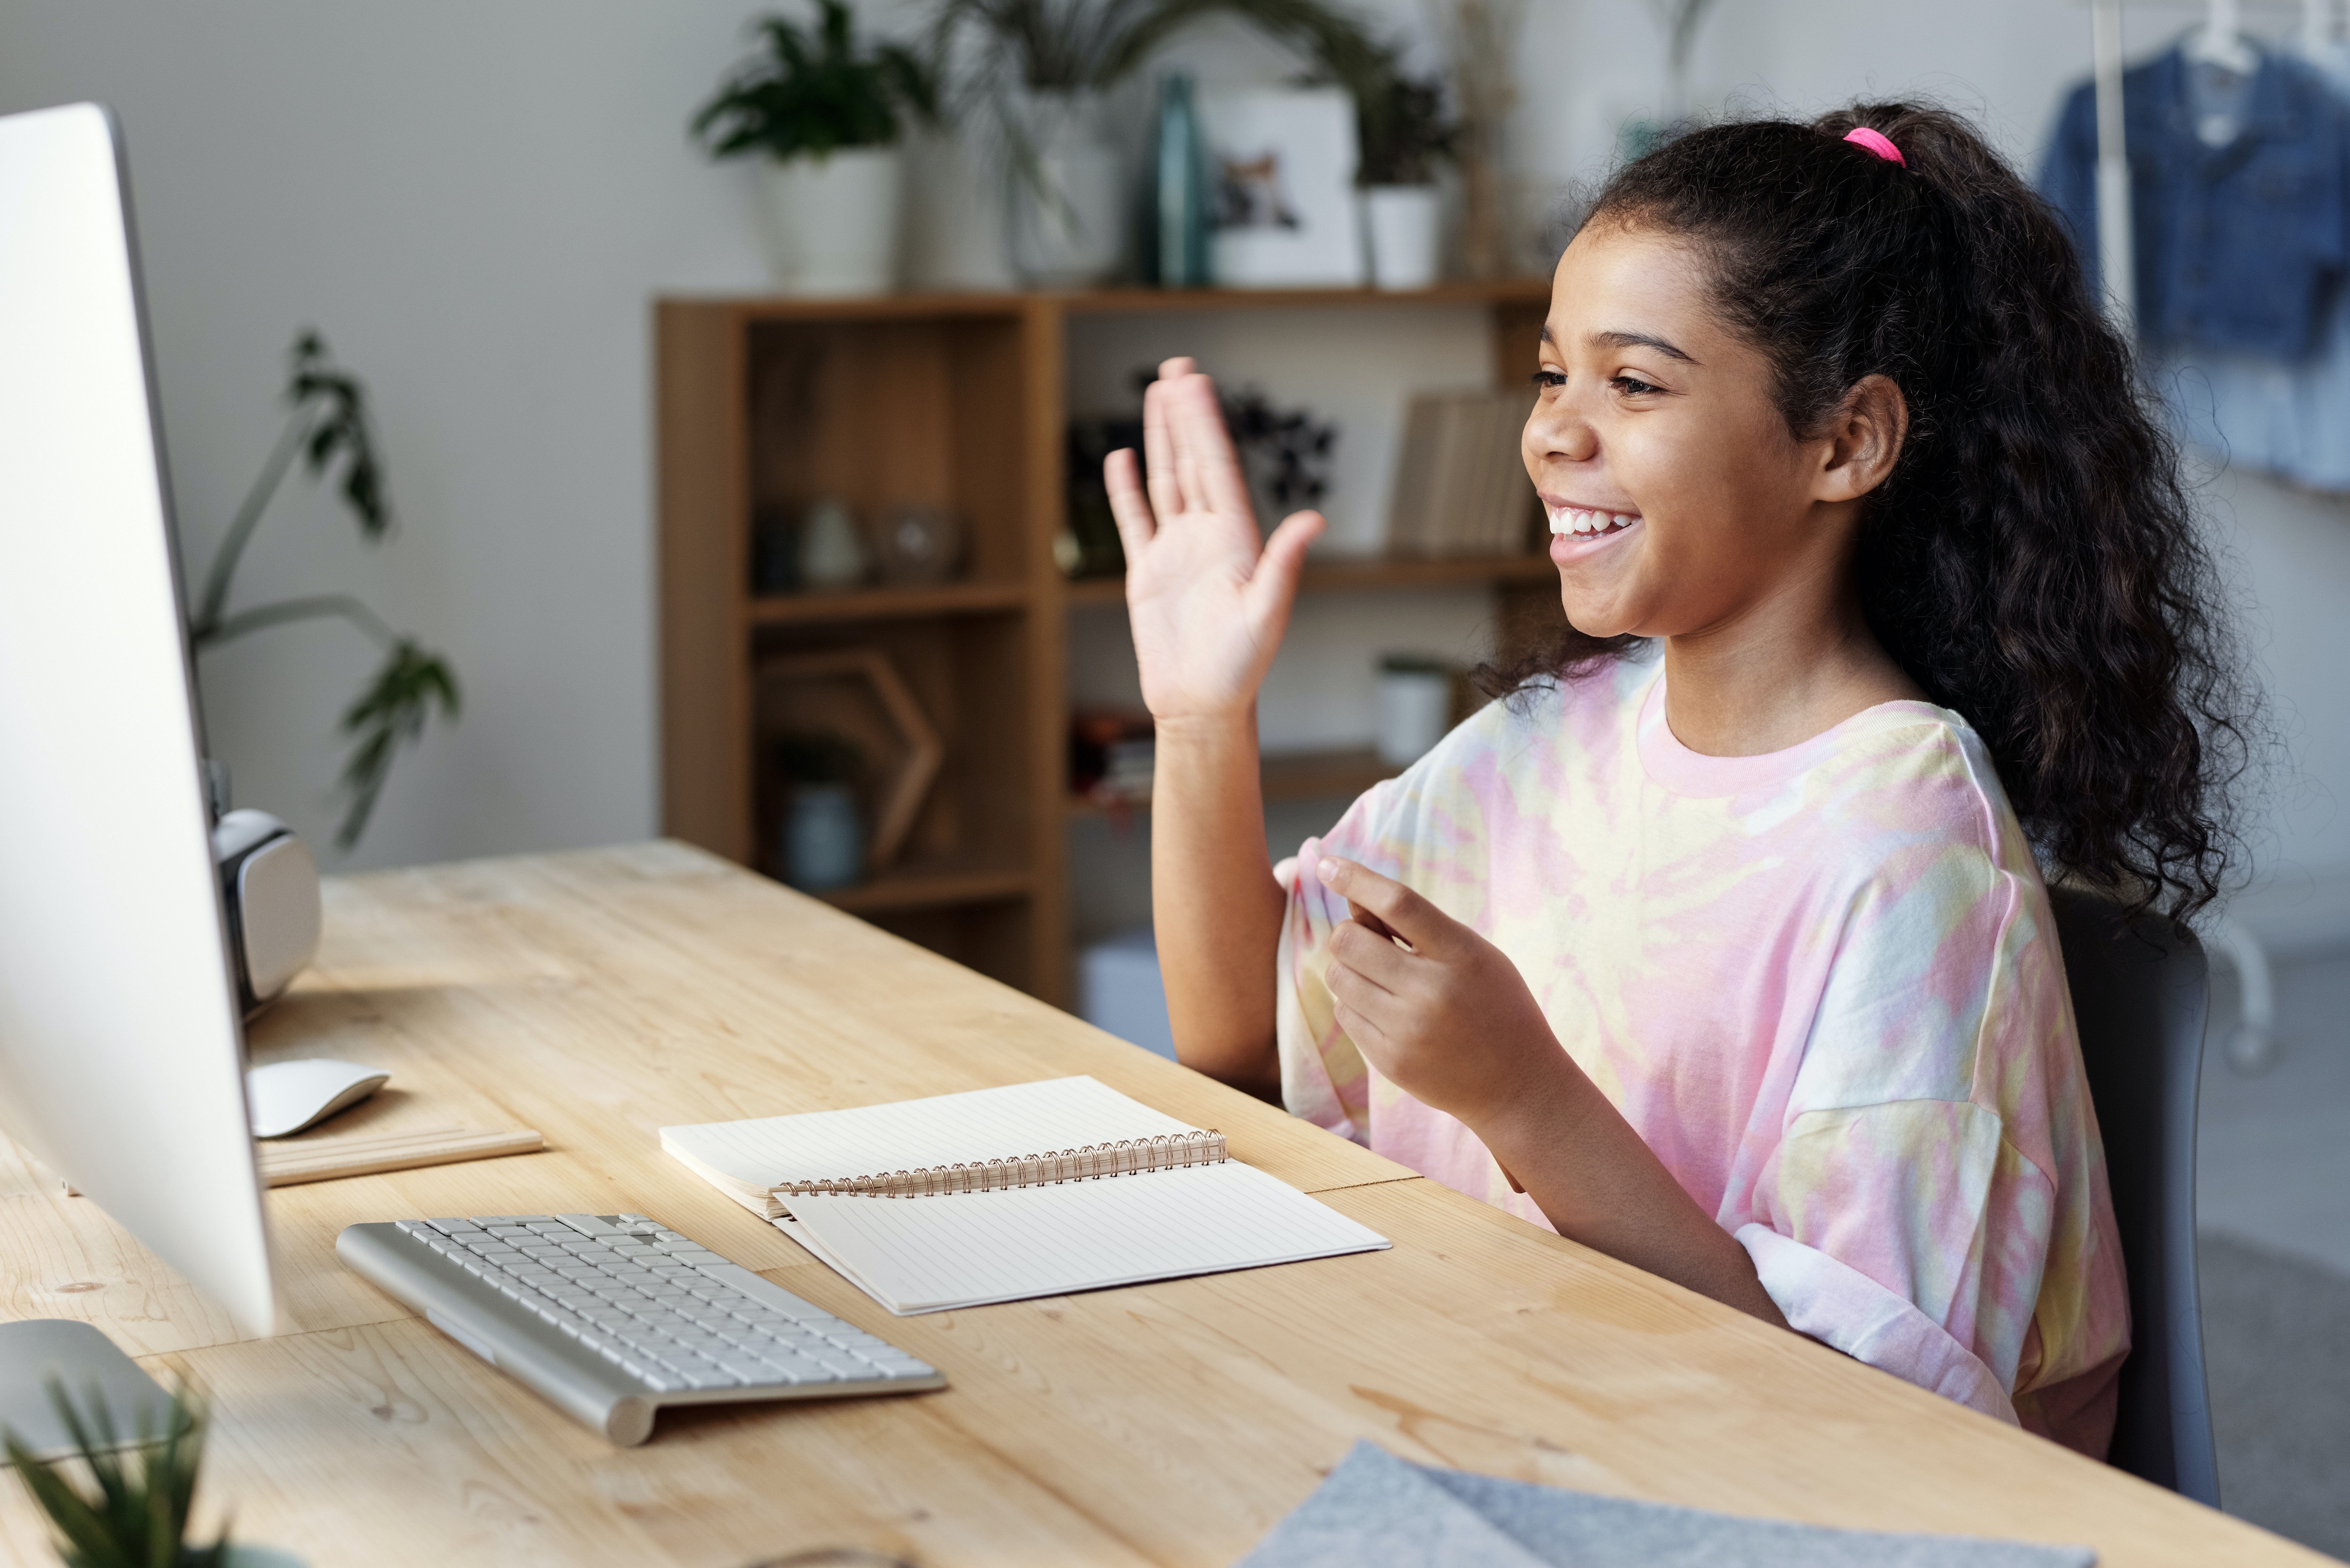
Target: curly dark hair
(2033, 561)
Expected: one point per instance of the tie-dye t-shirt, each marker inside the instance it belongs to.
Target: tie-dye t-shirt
(1823, 984)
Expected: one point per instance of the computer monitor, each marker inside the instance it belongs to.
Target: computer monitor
(122, 1047)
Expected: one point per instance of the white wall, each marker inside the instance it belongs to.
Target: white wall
(476, 203)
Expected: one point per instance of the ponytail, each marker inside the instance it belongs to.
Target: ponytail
(2032, 562)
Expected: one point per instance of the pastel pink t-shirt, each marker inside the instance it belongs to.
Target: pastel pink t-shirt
(1823, 986)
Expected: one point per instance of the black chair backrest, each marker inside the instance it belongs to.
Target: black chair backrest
(2139, 994)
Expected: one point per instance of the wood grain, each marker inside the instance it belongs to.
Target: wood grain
(598, 996)
(290, 1164)
(703, 485)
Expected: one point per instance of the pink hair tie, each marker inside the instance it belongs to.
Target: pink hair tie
(1877, 141)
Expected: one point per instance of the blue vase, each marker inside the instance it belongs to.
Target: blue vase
(1180, 214)
(824, 843)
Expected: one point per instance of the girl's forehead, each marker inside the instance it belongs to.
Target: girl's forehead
(1616, 284)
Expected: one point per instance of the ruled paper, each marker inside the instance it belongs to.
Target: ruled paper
(927, 1255)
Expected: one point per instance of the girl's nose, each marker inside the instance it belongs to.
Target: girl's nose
(1557, 432)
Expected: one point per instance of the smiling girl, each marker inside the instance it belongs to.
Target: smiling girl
(1722, 944)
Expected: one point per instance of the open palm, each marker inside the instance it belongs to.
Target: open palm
(1208, 603)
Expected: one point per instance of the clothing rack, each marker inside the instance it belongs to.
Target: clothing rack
(2115, 264)
(2253, 1046)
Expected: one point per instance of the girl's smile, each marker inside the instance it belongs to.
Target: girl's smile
(1581, 533)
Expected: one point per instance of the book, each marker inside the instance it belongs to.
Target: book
(1461, 486)
(997, 1195)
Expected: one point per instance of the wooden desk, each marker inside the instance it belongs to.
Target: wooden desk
(599, 996)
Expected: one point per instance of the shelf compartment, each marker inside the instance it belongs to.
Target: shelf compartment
(887, 412)
(971, 838)
(1286, 776)
(1366, 575)
(887, 604)
(929, 884)
(994, 936)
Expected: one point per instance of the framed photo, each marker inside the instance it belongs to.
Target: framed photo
(1281, 165)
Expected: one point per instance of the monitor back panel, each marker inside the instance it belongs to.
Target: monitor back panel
(120, 1055)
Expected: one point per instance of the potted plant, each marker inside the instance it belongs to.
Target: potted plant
(828, 117)
(1406, 136)
(133, 1510)
(1029, 75)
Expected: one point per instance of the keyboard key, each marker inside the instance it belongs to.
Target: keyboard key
(593, 1224)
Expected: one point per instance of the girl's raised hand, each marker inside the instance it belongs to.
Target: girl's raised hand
(1208, 605)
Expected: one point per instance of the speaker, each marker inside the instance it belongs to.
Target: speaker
(269, 890)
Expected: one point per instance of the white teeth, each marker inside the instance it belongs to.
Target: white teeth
(1579, 520)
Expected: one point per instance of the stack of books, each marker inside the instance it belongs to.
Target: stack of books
(1461, 481)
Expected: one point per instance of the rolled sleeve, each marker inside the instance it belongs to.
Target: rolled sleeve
(1844, 1308)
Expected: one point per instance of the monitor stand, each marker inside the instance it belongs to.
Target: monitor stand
(35, 1352)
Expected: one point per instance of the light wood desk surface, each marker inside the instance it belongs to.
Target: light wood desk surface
(599, 996)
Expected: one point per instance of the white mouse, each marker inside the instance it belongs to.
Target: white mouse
(286, 1096)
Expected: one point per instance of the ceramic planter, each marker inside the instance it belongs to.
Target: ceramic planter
(831, 223)
(1404, 226)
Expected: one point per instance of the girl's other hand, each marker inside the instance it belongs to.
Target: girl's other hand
(1446, 1016)
(1208, 605)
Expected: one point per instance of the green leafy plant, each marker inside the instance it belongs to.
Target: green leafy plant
(812, 94)
(132, 1510)
(328, 425)
(1405, 129)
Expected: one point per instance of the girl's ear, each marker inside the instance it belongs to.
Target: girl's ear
(1864, 438)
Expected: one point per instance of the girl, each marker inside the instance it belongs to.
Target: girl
(1720, 946)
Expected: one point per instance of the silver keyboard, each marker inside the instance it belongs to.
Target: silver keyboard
(612, 1316)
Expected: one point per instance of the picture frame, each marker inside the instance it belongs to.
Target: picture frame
(1281, 164)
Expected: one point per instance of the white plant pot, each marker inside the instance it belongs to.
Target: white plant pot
(1404, 226)
(831, 223)
(1071, 232)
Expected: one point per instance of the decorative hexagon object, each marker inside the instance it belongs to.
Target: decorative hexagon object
(857, 694)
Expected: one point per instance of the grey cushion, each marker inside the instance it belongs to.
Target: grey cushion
(1377, 1510)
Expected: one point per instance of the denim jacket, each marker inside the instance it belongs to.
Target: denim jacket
(2238, 246)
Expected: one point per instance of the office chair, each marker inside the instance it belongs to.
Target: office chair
(2139, 994)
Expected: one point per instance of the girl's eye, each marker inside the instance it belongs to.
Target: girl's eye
(1548, 380)
(1632, 386)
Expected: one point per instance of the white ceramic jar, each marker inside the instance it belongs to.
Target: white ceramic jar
(1415, 708)
(1404, 226)
(831, 223)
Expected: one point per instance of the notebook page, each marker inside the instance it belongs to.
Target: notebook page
(926, 1254)
(945, 1129)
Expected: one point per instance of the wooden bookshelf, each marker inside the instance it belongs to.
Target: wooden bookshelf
(955, 400)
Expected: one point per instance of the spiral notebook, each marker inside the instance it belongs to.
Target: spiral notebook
(998, 1195)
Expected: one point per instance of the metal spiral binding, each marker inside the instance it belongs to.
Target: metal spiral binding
(1094, 1162)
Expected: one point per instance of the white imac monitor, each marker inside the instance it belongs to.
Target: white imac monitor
(121, 1050)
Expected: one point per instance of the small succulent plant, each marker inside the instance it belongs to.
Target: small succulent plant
(129, 1509)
